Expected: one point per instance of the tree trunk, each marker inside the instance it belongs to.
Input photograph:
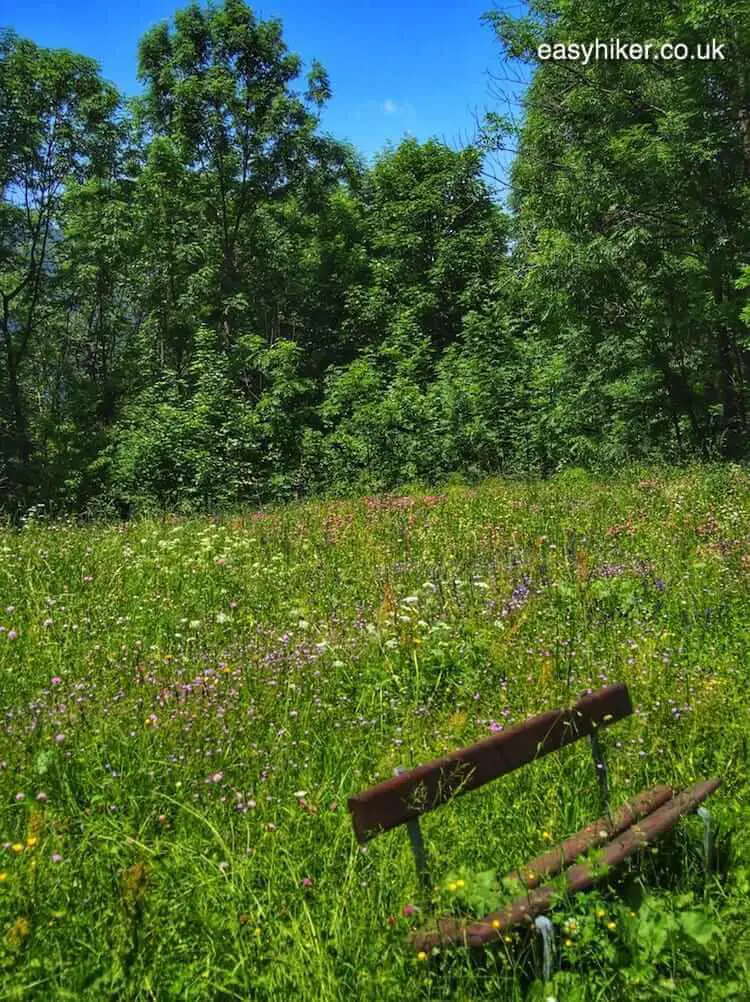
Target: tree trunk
(20, 441)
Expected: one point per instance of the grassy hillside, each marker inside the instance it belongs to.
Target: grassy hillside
(186, 706)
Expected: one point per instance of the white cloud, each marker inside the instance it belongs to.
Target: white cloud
(390, 107)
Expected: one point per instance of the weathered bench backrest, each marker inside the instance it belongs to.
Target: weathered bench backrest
(410, 794)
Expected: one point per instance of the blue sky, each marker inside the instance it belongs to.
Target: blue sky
(396, 66)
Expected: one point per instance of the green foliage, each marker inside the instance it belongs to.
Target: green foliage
(59, 129)
(210, 302)
(204, 447)
(630, 195)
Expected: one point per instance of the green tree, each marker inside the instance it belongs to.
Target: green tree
(58, 127)
(630, 193)
(435, 239)
(436, 242)
(231, 140)
(245, 227)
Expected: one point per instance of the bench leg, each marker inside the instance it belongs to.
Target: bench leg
(420, 859)
(420, 854)
(547, 930)
(709, 838)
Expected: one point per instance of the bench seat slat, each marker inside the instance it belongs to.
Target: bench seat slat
(410, 794)
(580, 877)
(598, 833)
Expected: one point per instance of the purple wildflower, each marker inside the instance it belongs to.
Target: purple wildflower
(519, 596)
(610, 571)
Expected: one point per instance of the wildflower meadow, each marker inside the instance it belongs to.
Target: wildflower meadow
(186, 704)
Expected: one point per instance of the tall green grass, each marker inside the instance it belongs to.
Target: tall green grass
(185, 706)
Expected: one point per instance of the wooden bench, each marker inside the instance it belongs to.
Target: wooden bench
(616, 835)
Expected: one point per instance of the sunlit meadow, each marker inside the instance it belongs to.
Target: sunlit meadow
(187, 704)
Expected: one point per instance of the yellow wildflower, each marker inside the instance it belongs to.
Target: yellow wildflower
(611, 925)
(17, 847)
(421, 955)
